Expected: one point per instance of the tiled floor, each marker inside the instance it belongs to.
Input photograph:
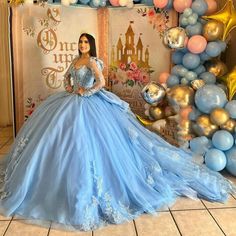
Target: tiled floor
(187, 217)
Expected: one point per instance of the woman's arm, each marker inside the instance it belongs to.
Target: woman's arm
(100, 81)
(67, 82)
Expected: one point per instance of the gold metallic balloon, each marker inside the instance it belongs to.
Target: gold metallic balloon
(213, 30)
(156, 113)
(175, 38)
(197, 83)
(219, 116)
(204, 127)
(216, 67)
(16, 2)
(144, 121)
(169, 111)
(227, 15)
(230, 81)
(229, 125)
(184, 130)
(180, 96)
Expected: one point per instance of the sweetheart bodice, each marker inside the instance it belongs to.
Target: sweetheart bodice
(83, 76)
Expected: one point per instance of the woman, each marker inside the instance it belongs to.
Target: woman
(82, 160)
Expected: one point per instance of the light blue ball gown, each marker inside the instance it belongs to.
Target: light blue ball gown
(83, 162)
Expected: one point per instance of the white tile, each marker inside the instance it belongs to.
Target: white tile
(126, 229)
(226, 218)
(161, 225)
(230, 203)
(185, 203)
(19, 228)
(196, 223)
(3, 226)
(54, 232)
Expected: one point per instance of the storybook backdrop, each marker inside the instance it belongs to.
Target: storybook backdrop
(45, 40)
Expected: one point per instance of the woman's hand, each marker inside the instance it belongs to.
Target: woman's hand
(69, 89)
(80, 91)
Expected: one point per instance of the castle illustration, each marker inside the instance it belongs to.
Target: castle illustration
(129, 52)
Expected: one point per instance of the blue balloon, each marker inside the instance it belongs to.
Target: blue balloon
(191, 61)
(231, 160)
(179, 70)
(192, 20)
(194, 114)
(147, 2)
(223, 140)
(103, 3)
(222, 45)
(199, 70)
(84, 1)
(172, 80)
(200, 7)
(195, 29)
(177, 57)
(184, 81)
(213, 49)
(209, 97)
(208, 77)
(187, 12)
(199, 145)
(169, 5)
(231, 108)
(215, 159)
(183, 20)
(190, 75)
(204, 57)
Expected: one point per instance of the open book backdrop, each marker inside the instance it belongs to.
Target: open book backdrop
(45, 42)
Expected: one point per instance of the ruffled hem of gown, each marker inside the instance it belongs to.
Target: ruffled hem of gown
(160, 173)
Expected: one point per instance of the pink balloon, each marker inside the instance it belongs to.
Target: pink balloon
(197, 44)
(163, 77)
(181, 5)
(160, 3)
(184, 113)
(114, 3)
(212, 6)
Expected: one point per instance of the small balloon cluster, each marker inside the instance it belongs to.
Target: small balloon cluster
(199, 88)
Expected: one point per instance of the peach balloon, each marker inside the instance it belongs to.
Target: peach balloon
(114, 3)
(184, 113)
(212, 6)
(160, 3)
(197, 44)
(163, 77)
(181, 5)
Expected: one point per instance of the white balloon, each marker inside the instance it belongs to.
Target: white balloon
(199, 159)
(130, 4)
(147, 106)
(28, 1)
(158, 124)
(123, 2)
(65, 2)
(146, 112)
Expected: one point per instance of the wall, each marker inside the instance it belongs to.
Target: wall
(5, 82)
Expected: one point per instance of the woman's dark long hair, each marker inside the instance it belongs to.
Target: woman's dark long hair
(92, 44)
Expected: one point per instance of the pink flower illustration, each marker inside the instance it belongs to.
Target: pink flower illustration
(151, 13)
(122, 66)
(133, 66)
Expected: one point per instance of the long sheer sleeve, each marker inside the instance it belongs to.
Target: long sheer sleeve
(96, 66)
(67, 75)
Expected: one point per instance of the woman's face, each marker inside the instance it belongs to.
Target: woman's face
(84, 46)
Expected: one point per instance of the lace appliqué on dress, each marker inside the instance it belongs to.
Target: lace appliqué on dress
(4, 173)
